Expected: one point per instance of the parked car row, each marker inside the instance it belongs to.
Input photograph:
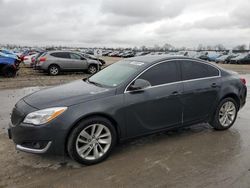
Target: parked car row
(240, 59)
(56, 61)
(218, 57)
(52, 62)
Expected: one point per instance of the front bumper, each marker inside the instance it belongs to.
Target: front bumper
(37, 139)
(33, 150)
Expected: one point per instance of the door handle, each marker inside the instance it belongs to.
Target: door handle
(175, 93)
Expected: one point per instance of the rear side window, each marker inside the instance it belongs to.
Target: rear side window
(61, 55)
(194, 70)
(162, 74)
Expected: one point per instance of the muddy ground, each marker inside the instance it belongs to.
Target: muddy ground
(191, 157)
(28, 77)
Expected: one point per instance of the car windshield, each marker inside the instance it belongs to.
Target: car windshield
(116, 73)
(241, 56)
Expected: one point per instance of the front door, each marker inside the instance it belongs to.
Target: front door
(159, 106)
(78, 62)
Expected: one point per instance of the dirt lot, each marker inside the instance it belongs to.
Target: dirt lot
(27, 77)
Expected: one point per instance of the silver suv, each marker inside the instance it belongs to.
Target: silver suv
(54, 62)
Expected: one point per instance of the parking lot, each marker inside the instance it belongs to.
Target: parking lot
(190, 157)
(27, 77)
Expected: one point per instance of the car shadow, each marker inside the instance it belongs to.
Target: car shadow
(200, 139)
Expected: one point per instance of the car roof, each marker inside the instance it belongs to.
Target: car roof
(151, 59)
(67, 51)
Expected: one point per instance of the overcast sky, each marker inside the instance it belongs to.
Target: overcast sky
(125, 23)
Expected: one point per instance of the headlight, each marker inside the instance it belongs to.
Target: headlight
(43, 116)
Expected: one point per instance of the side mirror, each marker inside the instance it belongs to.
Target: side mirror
(139, 84)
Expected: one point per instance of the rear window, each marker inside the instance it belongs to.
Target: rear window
(194, 70)
(60, 55)
(41, 54)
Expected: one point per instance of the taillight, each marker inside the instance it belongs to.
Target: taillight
(243, 80)
(42, 59)
(25, 58)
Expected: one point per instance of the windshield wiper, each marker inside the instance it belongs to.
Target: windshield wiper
(95, 83)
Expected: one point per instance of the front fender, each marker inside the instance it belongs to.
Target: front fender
(109, 107)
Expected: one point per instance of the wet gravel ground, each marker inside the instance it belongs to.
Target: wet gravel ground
(27, 77)
(191, 157)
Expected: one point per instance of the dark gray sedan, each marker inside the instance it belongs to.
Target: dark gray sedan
(131, 98)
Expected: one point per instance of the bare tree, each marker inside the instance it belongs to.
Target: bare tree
(167, 47)
(219, 47)
(143, 48)
(200, 47)
(241, 47)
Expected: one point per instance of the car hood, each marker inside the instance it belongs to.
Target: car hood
(67, 95)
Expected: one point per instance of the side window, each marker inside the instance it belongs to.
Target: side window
(194, 70)
(162, 74)
(61, 55)
(75, 56)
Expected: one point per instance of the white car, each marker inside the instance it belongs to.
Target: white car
(27, 60)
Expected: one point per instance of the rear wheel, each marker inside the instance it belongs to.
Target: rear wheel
(225, 115)
(91, 141)
(54, 70)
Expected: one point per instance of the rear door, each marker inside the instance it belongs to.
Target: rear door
(201, 83)
(62, 59)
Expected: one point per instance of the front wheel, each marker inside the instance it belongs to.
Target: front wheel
(91, 141)
(92, 69)
(225, 115)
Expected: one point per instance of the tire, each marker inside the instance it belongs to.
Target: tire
(54, 70)
(87, 148)
(9, 72)
(231, 111)
(92, 69)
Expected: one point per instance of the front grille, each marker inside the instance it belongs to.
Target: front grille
(16, 117)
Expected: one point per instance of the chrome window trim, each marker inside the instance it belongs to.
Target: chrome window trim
(182, 81)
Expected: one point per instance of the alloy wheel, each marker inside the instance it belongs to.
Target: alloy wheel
(93, 141)
(54, 70)
(92, 69)
(227, 113)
